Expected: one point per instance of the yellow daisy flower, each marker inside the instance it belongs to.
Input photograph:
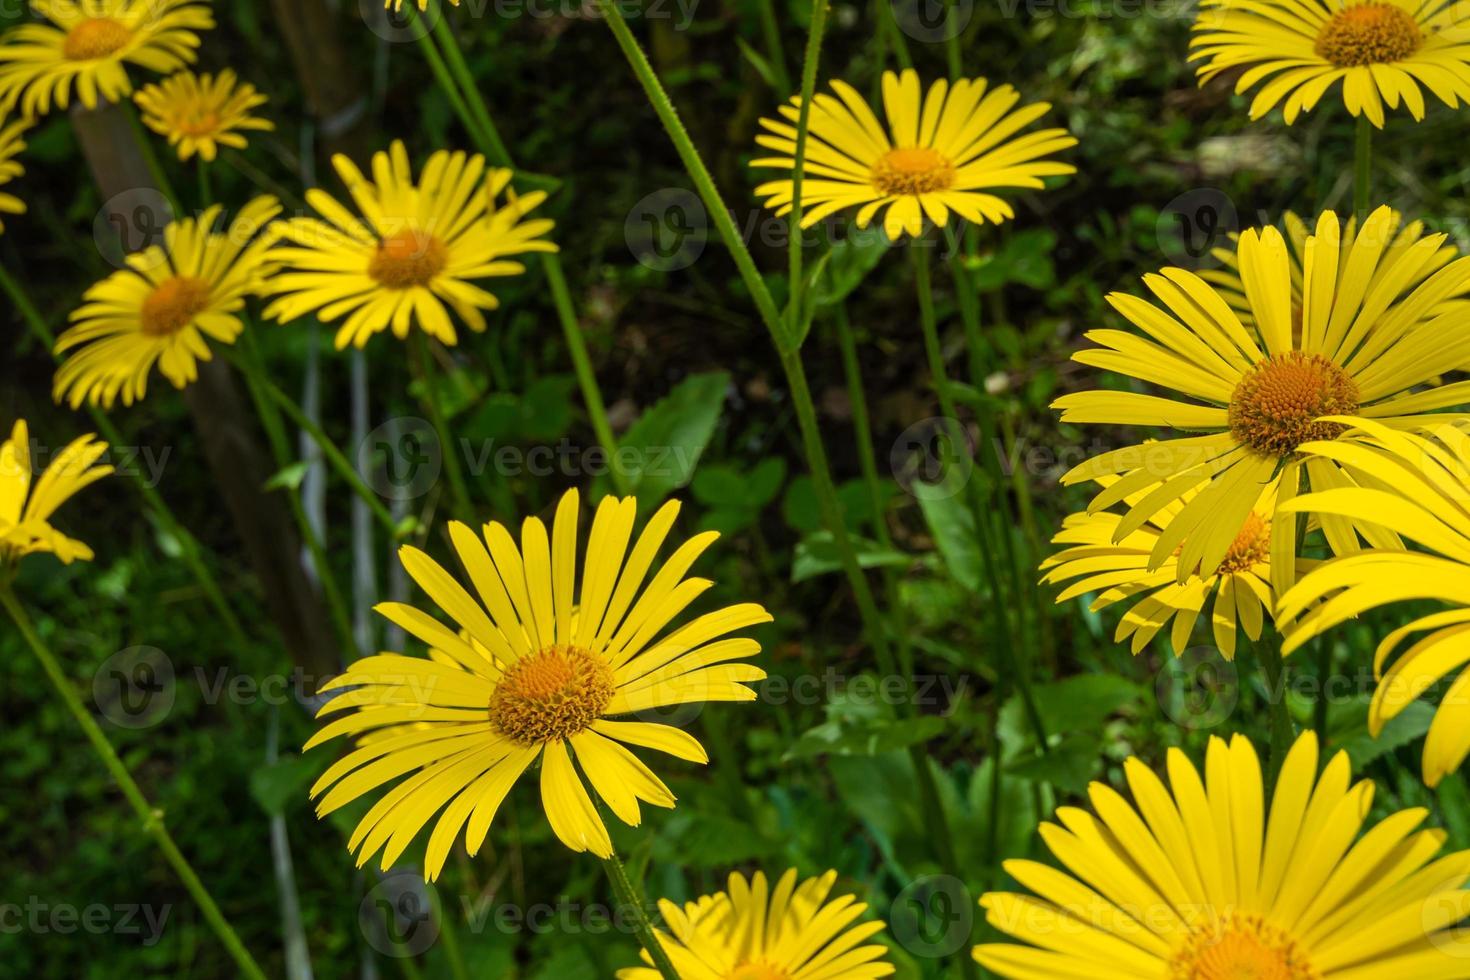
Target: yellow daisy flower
(1418, 484)
(1381, 50)
(1347, 349)
(754, 932)
(416, 253)
(397, 5)
(164, 305)
(1402, 236)
(942, 152)
(11, 145)
(533, 671)
(26, 508)
(1201, 879)
(199, 114)
(90, 44)
(1107, 554)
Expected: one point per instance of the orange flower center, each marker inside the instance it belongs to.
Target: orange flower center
(757, 971)
(173, 304)
(551, 695)
(1251, 546)
(198, 122)
(407, 259)
(1275, 407)
(913, 170)
(95, 37)
(1242, 948)
(1369, 34)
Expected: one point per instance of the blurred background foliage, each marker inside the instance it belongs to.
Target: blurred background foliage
(814, 775)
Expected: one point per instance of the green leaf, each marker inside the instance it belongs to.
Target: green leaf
(542, 414)
(282, 784)
(1409, 725)
(802, 513)
(883, 791)
(1069, 765)
(849, 263)
(665, 444)
(816, 554)
(724, 485)
(1454, 804)
(761, 65)
(1078, 704)
(952, 524)
(289, 478)
(1024, 258)
(860, 722)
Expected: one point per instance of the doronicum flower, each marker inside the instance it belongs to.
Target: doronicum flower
(397, 5)
(1365, 341)
(417, 253)
(1106, 557)
(1200, 879)
(943, 152)
(165, 307)
(26, 507)
(1382, 51)
(199, 114)
(1419, 485)
(751, 931)
(1402, 236)
(11, 145)
(89, 43)
(534, 670)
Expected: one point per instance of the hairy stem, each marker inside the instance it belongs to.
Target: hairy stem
(629, 897)
(151, 817)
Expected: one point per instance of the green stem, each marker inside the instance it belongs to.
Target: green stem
(206, 195)
(868, 462)
(460, 69)
(421, 364)
(795, 290)
(831, 510)
(775, 52)
(861, 423)
(150, 159)
(795, 371)
(663, 107)
(929, 327)
(888, 28)
(1273, 672)
(1324, 672)
(275, 430)
(1363, 168)
(458, 84)
(440, 70)
(952, 42)
(629, 897)
(332, 454)
(561, 300)
(990, 427)
(452, 950)
(153, 821)
(189, 548)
